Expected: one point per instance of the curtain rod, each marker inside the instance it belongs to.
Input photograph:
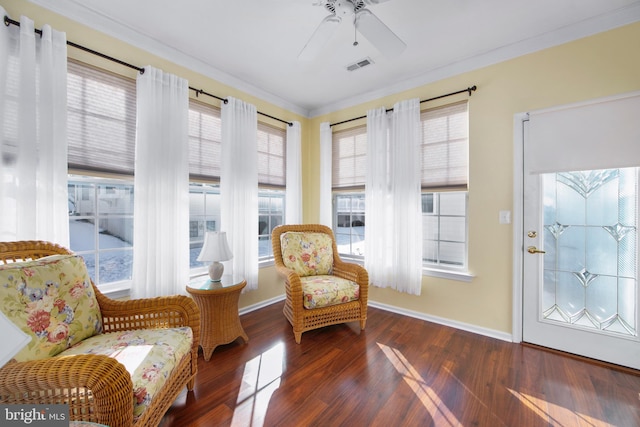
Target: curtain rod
(8, 21)
(469, 90)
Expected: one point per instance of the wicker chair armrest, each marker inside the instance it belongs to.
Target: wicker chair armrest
(147, 313)
(351, 271)
(291, 277)
(293, 288)
(97, 388)
(355, 273)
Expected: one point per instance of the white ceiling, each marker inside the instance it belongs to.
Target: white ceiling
(253, 45)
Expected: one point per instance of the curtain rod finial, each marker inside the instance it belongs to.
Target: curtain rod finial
(472, 89)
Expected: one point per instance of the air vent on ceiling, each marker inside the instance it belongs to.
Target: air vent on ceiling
(359, 64)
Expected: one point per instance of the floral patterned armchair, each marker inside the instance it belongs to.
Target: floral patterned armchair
(116, 363)
(321, 289)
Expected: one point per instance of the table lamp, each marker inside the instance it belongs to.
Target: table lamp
(215, 249)
(14, 339)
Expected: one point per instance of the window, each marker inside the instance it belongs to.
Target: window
(101, 134)
(271, 185)
(349, 151)
(271, 214)
(205, 136)
(349, 223)
(444, 228)
(444, 153)
(204, 215)
(445, 168)
(101, 226)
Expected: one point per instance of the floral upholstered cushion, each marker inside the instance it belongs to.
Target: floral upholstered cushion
(149, 355)
(307, 253)
(323, 291)
(52, 300)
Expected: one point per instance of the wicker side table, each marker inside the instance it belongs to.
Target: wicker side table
(219, 318)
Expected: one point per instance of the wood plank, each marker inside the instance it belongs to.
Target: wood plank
(400, 371)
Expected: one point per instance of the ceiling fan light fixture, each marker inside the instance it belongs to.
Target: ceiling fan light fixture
(364, 22)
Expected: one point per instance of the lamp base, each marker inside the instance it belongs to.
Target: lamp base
(215, 271)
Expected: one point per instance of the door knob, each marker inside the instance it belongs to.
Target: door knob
(534, 250)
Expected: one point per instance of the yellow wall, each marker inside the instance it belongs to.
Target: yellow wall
(601, 65)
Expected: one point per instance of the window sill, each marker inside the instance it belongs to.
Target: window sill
(117, 290)
(461, 275)
(266, 263)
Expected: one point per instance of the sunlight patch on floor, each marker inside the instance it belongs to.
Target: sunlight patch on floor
(439, 412)
(260, 380)
(557, 415)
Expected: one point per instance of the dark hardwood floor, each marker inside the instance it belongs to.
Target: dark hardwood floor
(400, 371)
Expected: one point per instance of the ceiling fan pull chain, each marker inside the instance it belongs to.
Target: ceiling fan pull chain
(355, 31)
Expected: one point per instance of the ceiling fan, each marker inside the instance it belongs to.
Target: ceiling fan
(364, 21)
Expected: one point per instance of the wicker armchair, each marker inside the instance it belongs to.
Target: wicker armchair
(305, 319)
(98, 388)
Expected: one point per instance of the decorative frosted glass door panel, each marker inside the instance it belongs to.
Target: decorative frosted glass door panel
(590, 240)
(581, 263)
(580, 228)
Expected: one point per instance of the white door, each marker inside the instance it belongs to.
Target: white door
(580, 243)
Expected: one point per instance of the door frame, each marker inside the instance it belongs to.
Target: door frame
(518, 231)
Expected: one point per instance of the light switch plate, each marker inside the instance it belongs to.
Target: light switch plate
(505, 217)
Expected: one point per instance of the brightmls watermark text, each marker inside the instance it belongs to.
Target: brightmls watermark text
(34, 415)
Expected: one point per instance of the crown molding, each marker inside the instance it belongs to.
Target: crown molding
(83, 14)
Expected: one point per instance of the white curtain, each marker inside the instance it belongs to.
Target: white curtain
(393, 230)
(293, 195)
(326, 210)
(161, 197)
(33, 144)
(378, 200)
(239, 187)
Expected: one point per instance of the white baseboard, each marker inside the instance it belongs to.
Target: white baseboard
(503, 336)
(261, 304)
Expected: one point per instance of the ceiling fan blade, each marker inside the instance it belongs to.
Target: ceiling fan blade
(319, 38)
(378, 34)
(372, 2)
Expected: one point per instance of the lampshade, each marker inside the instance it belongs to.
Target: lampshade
(215, 249)
(14, 339)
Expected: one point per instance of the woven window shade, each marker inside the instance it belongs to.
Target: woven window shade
(349, 152)
(271, 156)
(205, 136)
(445, 147)
(101, 120)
